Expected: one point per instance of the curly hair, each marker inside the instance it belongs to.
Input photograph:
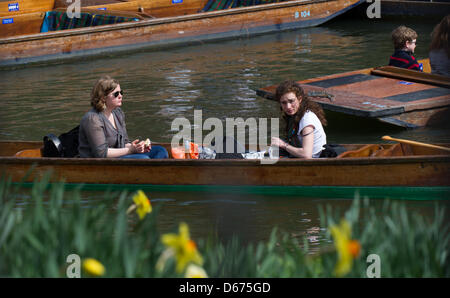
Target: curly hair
(306, 104)
(440, 36)
(102, 88)
(401, 35)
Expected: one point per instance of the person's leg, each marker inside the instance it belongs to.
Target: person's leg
(157, 152)
(137, 156)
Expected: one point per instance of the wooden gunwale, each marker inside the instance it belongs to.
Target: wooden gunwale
(158, 21)
(412, 170)
(421, 171)
(232, 162)
(404, 74)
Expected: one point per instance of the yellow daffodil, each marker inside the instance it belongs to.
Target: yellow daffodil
(93, 267)
(185, 249)
(141, 204)
(346, 247)
(194, 271)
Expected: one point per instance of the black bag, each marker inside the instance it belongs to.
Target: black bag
(66, 145)
(69, 141)
(222, 146)
(332, 150)
(52, 146)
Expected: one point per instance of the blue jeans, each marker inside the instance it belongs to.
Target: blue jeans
(155, 152)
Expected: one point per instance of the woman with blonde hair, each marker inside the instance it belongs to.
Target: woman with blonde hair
(103, 132)
(439, 49)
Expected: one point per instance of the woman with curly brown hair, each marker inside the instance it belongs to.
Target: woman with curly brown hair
(103, 132)
(439, 49)
(304, 122)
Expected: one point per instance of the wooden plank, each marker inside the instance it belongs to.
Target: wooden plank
(9, 148)
(157, 8)
(16, 7)
(412, 76)
(84, 3)
(169, 8)
(371, 169)
(419, 118)
(29, 23)
(375, 171)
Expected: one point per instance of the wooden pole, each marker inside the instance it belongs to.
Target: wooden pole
(388, 138)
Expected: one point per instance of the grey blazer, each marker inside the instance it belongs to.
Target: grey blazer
(97, 134)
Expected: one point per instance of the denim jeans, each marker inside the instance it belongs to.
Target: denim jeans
(155, 152)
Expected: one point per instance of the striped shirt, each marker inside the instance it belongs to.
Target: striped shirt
(404, 59)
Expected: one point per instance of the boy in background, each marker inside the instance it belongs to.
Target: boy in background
(405, 41)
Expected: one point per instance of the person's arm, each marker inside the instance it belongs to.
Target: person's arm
(306, 151)
(95, 136)
(413, 64)
(131, 148)
(118, 152)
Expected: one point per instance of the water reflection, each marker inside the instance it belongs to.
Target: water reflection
(218, 78)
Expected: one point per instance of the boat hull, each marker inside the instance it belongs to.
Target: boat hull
(181, 30)
(380, 171)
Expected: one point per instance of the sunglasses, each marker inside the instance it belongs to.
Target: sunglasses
(116, 94)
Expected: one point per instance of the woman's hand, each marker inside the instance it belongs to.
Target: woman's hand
(147, 145)
(279, 143)
(137, 147)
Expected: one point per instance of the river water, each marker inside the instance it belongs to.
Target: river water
(220, 79)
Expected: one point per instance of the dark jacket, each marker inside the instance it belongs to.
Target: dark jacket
(404, 59)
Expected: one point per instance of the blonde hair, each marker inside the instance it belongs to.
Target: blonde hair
(401, 35)
(102, 88)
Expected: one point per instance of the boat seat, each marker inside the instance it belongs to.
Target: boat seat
(365, 151)
(28, 23)
(29, 153)
(395, 150)
(398, 149)
(412, 75)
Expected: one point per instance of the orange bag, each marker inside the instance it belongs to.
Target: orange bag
(178, 152)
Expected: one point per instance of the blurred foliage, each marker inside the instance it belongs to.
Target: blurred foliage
(36, 239)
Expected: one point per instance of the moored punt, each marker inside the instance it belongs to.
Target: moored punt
(422, 8)
(362, 165)
(432, 9)
(401, 97)
(173, 24)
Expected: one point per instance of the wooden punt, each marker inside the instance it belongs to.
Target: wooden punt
(165, 22)
(401, 97)
(434, 8)
(376, 165)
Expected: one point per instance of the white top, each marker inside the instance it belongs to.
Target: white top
(320, 138)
